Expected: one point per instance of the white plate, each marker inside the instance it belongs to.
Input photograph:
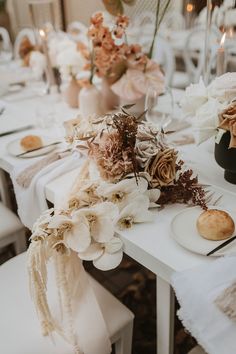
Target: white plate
(14, 148)
(184, 231)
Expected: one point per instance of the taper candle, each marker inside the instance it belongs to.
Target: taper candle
(220, 60)
(49, 70)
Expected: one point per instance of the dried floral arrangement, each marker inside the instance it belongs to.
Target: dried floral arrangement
(126, 68)
(128, 170)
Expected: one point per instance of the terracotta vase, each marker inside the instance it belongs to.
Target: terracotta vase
(71, 94)
(226, 157)
(110, 99)
(91, 102)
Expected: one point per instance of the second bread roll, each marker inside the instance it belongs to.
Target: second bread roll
(215, 225)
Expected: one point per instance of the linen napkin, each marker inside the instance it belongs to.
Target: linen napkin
(199, 291)
(31, 201)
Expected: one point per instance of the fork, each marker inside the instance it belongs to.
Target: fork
(210, 198)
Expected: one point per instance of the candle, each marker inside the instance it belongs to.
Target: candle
(49, 70)
(189, 15)
(220, 60)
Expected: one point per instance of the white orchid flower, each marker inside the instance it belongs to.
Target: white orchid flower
(153, 195)
(101, 219)
(123, 192)
(135, 212)
(75, 230)
(105, 256)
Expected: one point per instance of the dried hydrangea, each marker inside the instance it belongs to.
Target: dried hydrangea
(112, 160)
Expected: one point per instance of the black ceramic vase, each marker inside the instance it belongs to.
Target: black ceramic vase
(226, 157)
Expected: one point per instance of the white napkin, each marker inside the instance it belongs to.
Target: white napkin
(196, 290)
(32, 200)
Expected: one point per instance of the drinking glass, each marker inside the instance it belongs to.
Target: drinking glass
(159, 107)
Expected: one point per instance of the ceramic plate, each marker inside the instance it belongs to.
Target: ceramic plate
(184, 231)
(14, 148)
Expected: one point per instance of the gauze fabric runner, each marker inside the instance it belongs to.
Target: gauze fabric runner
(31, 201)
(197, 290)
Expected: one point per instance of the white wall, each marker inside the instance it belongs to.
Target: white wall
(81, 9)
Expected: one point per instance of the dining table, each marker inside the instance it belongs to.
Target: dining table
(150, 244)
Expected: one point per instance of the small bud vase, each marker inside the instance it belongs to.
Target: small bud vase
(110, 99)
(71, 93)
(226, 158)
(91, 102)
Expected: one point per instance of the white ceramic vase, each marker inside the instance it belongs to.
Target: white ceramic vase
(91, 102)
(71, 94)
(110, 99)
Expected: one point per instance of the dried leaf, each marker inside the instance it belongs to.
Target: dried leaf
(128, 106)
(82, 147)
(85, 138)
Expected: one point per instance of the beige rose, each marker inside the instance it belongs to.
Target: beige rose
(162, 168)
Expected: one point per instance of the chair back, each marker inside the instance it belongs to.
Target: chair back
(193, 54)
(6, 42)
(25, 32)
(163, 55)
(4, 192)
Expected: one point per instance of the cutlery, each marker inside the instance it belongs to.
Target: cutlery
(37, 149)
(17, 130)
(221, 246)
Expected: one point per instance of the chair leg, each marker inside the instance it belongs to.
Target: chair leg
(20, 243)
(124, 344)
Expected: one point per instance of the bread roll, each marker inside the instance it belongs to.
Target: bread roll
(31, 142)
(215, 225)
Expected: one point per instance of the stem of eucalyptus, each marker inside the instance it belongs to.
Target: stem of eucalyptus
(155, 30)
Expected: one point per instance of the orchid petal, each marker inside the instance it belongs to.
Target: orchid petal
(114, 245)
(108, 261)
(94, 251)
(57, 220)
(107, 208)
(153, 194)
(102, 230)
(78, 238)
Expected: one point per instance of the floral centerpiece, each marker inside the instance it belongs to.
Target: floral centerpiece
(213, 109)
(128, 170)
(128, 70)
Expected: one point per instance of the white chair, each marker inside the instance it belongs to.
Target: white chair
(194, 51)
(26, 32)
(11, 229)
(5, 38)
(163, 55)
(19, 326)
(197, 350)
(6, 46)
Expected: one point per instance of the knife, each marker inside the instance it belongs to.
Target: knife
(17, 130)
(39, 148)
(221, 245)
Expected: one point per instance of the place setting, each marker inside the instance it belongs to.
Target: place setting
(117, 177)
